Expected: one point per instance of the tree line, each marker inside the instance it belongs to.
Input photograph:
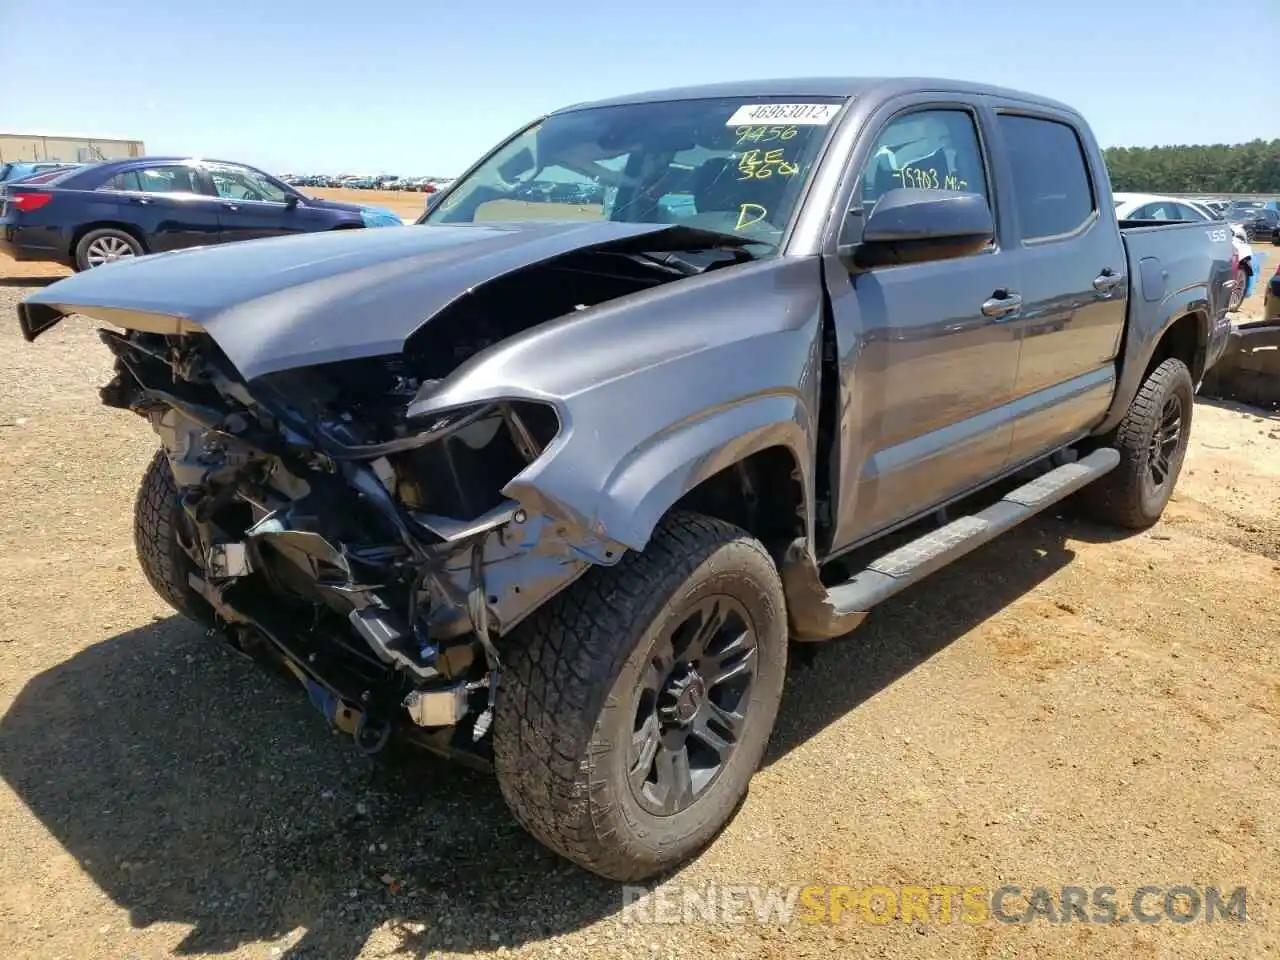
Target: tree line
(1252, 167)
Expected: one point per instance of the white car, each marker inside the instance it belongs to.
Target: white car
(1151, 206)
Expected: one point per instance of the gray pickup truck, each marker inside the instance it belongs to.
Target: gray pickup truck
(549, 480)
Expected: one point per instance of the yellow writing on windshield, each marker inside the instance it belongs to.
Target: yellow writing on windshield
(748, 214)
(759, 164)
(763, 134)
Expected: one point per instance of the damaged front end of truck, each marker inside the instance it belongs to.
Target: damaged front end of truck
(371, 552)
(347, 517)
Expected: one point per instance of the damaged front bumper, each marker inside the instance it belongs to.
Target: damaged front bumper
(315, 541)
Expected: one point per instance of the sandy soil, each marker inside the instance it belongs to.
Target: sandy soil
(1067, 706)
(408, 205)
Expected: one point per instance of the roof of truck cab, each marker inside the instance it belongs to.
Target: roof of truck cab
(881, 88)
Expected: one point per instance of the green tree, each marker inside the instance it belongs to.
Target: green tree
(1252, 167)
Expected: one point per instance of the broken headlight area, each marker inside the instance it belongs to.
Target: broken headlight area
(371, 554)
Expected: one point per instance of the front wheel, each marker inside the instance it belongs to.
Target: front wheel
(1152, 440)
(634, 708)
(158, 520)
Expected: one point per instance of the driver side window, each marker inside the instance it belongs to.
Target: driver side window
(242, 184)
(927, 149)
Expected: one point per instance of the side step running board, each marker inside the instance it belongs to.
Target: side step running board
(914, 561)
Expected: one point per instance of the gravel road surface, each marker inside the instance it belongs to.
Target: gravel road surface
(1068, 706)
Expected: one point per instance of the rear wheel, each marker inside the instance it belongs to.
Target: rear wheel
(1152, 440)
(105, 245)
(1238, 291)
(157, 519)
(634, 708)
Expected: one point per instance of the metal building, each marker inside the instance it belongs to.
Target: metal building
(39, 146)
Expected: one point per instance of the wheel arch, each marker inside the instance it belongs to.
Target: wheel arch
(83, 230)
(763, 492)
(1185, 336)
(1185, 339)
(704, 464)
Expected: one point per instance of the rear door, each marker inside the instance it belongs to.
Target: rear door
(1071, 260)
(251, 205)
(164, 202)
(928, 351)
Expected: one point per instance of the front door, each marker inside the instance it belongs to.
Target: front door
(252, 206)
(928, 351)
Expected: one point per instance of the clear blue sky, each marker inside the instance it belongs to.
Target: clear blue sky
(414, 87)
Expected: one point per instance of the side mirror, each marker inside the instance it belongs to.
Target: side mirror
(290, 201)
(912, 225)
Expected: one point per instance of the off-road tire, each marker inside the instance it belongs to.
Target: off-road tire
(1128, 497)
(157, 514)
(565, 707)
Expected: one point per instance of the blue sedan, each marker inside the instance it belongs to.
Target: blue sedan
(126, 208)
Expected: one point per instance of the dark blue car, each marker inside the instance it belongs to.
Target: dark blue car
(95, 214)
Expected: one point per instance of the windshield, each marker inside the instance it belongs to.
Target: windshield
(734, 165)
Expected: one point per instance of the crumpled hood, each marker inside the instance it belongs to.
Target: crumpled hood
(289, 302)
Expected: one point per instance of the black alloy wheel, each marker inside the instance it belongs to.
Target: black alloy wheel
(691, 705)
(1164, 442)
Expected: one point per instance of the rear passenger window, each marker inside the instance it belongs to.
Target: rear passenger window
(930, 150)
(1051, 186)
(153, 180)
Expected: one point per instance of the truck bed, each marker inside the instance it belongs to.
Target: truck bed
(1166, 261)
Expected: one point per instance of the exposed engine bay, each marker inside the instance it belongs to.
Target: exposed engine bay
(368, 551)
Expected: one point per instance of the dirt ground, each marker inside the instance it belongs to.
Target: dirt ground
(1067, 706)
(408, 205)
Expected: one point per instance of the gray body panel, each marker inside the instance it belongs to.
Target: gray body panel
(937, 399)
(1168, 282)
(671, 400)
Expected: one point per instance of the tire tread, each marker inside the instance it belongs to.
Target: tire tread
(155, 540)
(1117, 497)
(556, 676)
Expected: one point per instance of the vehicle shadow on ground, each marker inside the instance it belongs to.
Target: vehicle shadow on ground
(28, 281)
(195, 788)
(829, 680)
(1236, 406)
